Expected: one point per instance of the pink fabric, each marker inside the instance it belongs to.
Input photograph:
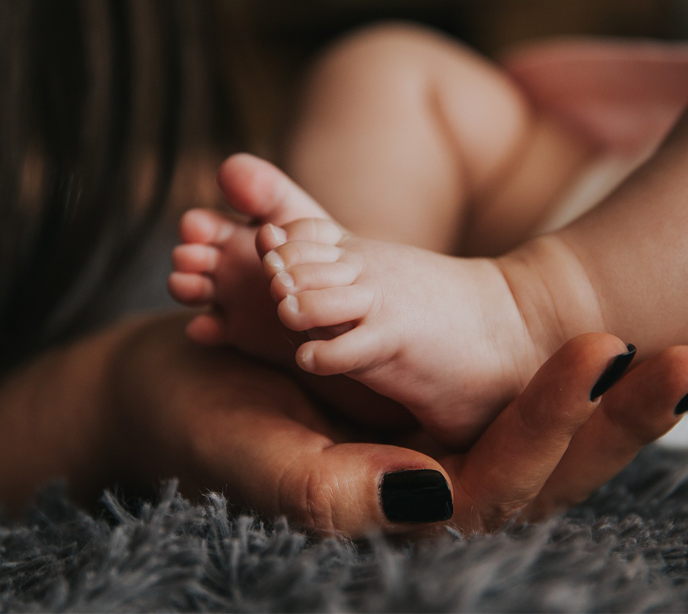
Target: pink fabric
(624, 94)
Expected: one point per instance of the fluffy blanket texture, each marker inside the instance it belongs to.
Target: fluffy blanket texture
(625, 549)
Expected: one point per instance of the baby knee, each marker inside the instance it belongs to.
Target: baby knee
(397, 46)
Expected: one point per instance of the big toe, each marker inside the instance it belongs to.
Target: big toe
(205, 226)
(259, 189)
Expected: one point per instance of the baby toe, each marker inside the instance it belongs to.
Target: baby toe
(191, 288)
(316, 230)
(294, 253)
(312, 276)
(195, 258)
(205, 226)
(269, 237)
(259, 189)
(321, 308)
(354, 351)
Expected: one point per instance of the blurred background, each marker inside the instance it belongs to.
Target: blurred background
(286, 35)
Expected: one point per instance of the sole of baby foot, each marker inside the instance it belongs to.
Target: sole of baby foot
(441, 335)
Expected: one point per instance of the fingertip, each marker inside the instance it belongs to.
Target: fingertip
(652, 398)
(669, 369)
(416, 496)
(589, 363)
(636, 411)
(354, 488)
(552, 410)
(613, 372)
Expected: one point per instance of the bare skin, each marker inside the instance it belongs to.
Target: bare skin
(441, 335)
(494, 320)
(567, 294)
(139, 402)
(373, 148)
(383, 293)
(483, 165)
(408, 136)
(550, 289)
(217, 263)
(392, 148)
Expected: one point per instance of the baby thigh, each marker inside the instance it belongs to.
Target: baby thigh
(400, 129)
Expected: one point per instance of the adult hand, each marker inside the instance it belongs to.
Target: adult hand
(553, 445)
(217, 420)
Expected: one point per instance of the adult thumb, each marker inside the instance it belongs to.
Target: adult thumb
(276, 465)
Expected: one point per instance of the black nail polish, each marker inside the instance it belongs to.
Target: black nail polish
(682, 406)
(419, 495)
(613, 372)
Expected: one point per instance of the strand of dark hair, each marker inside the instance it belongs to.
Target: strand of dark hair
(72, 117)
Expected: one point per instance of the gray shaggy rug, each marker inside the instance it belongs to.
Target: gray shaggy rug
(624, 550)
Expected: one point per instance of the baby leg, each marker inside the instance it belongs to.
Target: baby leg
(401, 130)
(409, 136)
(623, 95)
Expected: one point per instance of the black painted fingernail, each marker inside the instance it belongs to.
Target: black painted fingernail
(682, 406)
(419, 495)
(613, 372)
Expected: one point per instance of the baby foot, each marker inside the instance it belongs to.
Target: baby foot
(441, 335)
(216, 265)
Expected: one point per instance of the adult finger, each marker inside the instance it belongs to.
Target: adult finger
(277, 466)
(269, 450)
(511, 462)
(643, 406)
(218, 420)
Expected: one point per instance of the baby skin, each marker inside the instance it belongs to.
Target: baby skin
(441, 335)
(451, 339)
(446, 337)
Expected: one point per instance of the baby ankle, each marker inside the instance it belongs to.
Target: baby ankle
(553, 292)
